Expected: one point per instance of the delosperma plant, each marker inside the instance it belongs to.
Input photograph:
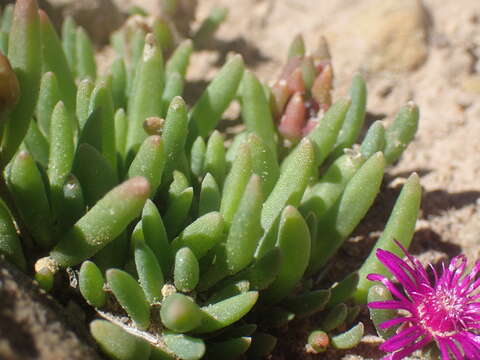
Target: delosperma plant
(185, 247)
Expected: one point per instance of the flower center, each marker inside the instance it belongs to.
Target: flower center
(439, 312)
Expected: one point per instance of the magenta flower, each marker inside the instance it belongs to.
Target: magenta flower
(445, 310)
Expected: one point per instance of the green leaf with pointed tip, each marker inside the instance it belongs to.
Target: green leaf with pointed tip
(186, 271)
(94, 173)
(374, 139)
(90, 283)
(349, 339)
(117, 343)
(245, 230)
(103, 223)
(69, 43)
(308, 303)
(174, 135)
(235, 183)
(201, 235)
(24, 54)
(226, 312)
(400, 227)
(294, 241)
(156, 236)
(228, 349)
(179, 313)
(177, 212)
(54, 59)
(86, 66)
(29, 194)
(338, 223)
(84, 92)
(145, 99)
(121, 128)
(149, 272)
(354, 118)
(48, 97)
(231, 153)
(401, 132)
(37, 144)
(288, 190)
(7, 17)
(197, 157)
(130, 296)
(62, 151)
(149, 162)
(233, 289)
(119, 83)
(73, 204)
(10, 245)
(178, 62)
(215, 99)
(256, 112)
(163, 33)
(210, 196)
(183, 346)
(264, 163)
(101, 109)
(215, 163)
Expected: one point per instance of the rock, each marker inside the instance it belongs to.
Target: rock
(382, 35)
(34, 326)
(98, 17)
(472, 84)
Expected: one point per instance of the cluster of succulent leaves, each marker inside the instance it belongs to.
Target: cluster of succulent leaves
(186, 247)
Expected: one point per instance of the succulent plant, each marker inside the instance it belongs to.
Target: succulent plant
(186, 247)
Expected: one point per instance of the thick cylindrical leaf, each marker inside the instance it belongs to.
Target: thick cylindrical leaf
(343, 290)
(399, 134)
(24, 53)
(349, 339)
(84, 92)
(400, 227)
(119, 83)
(186, 271)
(149, 162)
(73, 204)
(308, 303)
(178, 62)
(103, 223)
(29, 194)
(197, 157)
(156, 236)
(86, 66)
(236, 182)
(201, 235)
(117, 343)
(354, 118)
(177, 212)
(48, 97)
(228, 349)
(146, 96)
(183, 346)
(294, 242)
(215, 162)
(215, 99)
(256, 111)
(180, 314)
(209, 25)
(338, 223)
(226, 312)
(210, 196)
(149, 272)
(245, 230)
(374, 140)
(334, 318)
(69, 43)
(37, 144)
(62, 150)
(379, 292)
(174, 83)
(90, 283)
(130, 296)
(54, 59)
(264, 163)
